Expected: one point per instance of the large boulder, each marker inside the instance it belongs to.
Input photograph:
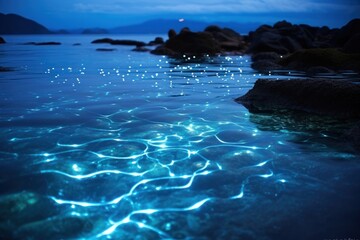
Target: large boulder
(191, 43)
(338, 98)
(330, 58)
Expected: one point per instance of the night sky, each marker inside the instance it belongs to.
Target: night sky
(112, 13)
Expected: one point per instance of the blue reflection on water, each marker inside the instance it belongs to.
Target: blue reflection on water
(141, 145)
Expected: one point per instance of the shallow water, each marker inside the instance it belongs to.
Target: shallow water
(127, 145)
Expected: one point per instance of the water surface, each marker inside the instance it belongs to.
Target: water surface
(128, 145)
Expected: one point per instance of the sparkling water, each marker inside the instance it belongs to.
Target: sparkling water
(128, 145)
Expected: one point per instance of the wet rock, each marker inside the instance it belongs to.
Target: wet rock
(42, 43)
(24, 207)
(55, 228)
(106, 49)
(162, 50)
(228, 39)
(272, 56)
(329, 58)
(119, 42)
(77, 44)
(2, 40)
(265, 66)
(337, 98)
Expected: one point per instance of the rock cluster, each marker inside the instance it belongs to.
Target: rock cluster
(212, 41)
(303, 47)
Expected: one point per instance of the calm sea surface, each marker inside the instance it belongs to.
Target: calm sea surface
(128, 145)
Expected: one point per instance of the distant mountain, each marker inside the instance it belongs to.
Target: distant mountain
(95, 31)
(162, 26)
(15, 24)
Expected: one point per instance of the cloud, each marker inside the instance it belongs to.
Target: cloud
(211, 6)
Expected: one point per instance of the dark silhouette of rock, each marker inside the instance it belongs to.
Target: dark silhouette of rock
(162, 50)
(77, 44)
(347, 32)
(42, 43)
(228, 39)
(191, 43)
(338, 98)
(313, 71)
(171, 33)
(119, 42)
(329, 58)
(353, 44)
(265, 66)
(272, 56)
(15, 24)
(106, 49)
(156, 41)
(2, 40)
(141, 49)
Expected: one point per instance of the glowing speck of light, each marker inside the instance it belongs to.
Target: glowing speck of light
(181, 19)
(282, 180)
(76, 168)
(46, 154)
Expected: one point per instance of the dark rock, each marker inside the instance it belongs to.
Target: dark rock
(106, 49)
(2, 40)
(103, 40)
(55, 228)
(156, 41)
(228, 39)
(265, 66)
(191, 43)
(162, 50)
(313, 71)
(353, 135)
(15, 24)
(265, 56)
(171, 33)
(141, 49)
(77, 44)
(329, 58)
(21, 208)
(185, 29)
(338, 98)
(119, 42)
(283, 24)
(42, 43)
(267, 41)
(353, 45)
(347, 32)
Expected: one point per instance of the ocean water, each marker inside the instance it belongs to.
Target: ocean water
(128, 145)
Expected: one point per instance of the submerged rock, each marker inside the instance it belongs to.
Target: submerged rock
(2, 40)
(5, 69)
(55, 228)
(337, 98)
(21, 208)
